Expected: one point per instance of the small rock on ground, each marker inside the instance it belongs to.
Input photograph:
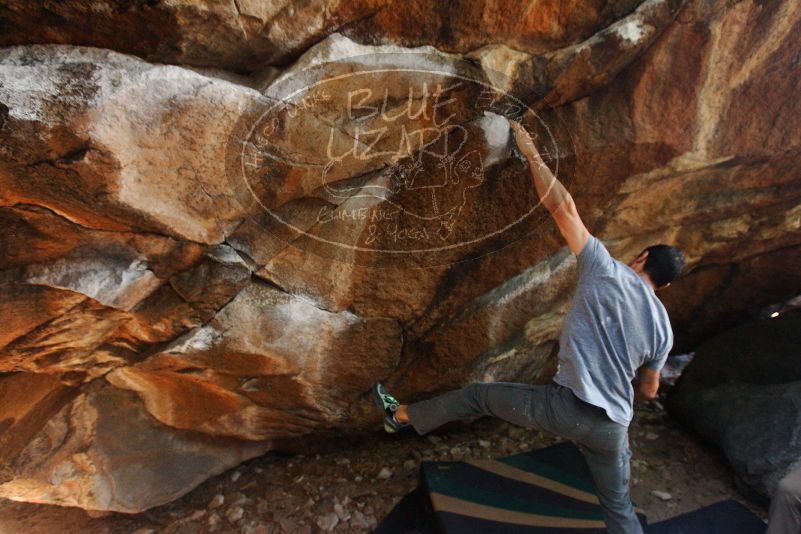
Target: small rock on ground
(662, 495)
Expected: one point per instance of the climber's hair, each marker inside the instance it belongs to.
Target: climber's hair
(663, 264)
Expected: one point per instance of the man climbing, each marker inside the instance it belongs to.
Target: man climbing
(615, 340)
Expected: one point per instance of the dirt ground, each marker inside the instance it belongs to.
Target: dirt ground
(350, 491)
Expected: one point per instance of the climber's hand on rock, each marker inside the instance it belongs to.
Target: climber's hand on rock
(524, 141)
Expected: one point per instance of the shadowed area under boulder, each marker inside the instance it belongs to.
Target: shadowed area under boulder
(743, 392)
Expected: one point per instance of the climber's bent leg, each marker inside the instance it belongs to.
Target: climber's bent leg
(509, 401)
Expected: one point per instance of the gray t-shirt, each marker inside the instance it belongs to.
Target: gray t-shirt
(615, 325)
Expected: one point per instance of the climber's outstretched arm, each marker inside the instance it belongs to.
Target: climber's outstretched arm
(556, 199)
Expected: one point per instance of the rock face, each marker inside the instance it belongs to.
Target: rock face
(103, 451)
(222, 222)
(743, 392)
(247, 36)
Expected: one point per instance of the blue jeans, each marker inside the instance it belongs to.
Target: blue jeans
(551, 408)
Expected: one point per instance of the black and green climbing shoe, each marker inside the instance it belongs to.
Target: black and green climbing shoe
(388, 405)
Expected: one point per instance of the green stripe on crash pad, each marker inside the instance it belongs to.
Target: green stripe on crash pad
(438, 481)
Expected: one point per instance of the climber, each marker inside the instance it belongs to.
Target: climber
(614, 342)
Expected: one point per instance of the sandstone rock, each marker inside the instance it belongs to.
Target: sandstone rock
(246, 306)
(29, 401)
(742, 391)
(117, 283)
(757, 426)
(70, 344)
(27, 307)
(498, 327)
(240, 36)
(265, 375)
(118, 270)
(97, 288)
(103, 451)
(113, 142)
(213, 282)
(368, 254)
(247, 36)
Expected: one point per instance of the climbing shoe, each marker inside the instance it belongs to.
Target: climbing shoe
(388, 405)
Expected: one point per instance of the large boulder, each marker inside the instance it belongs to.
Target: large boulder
(757, 427)
(229, 250)
(742, 391)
